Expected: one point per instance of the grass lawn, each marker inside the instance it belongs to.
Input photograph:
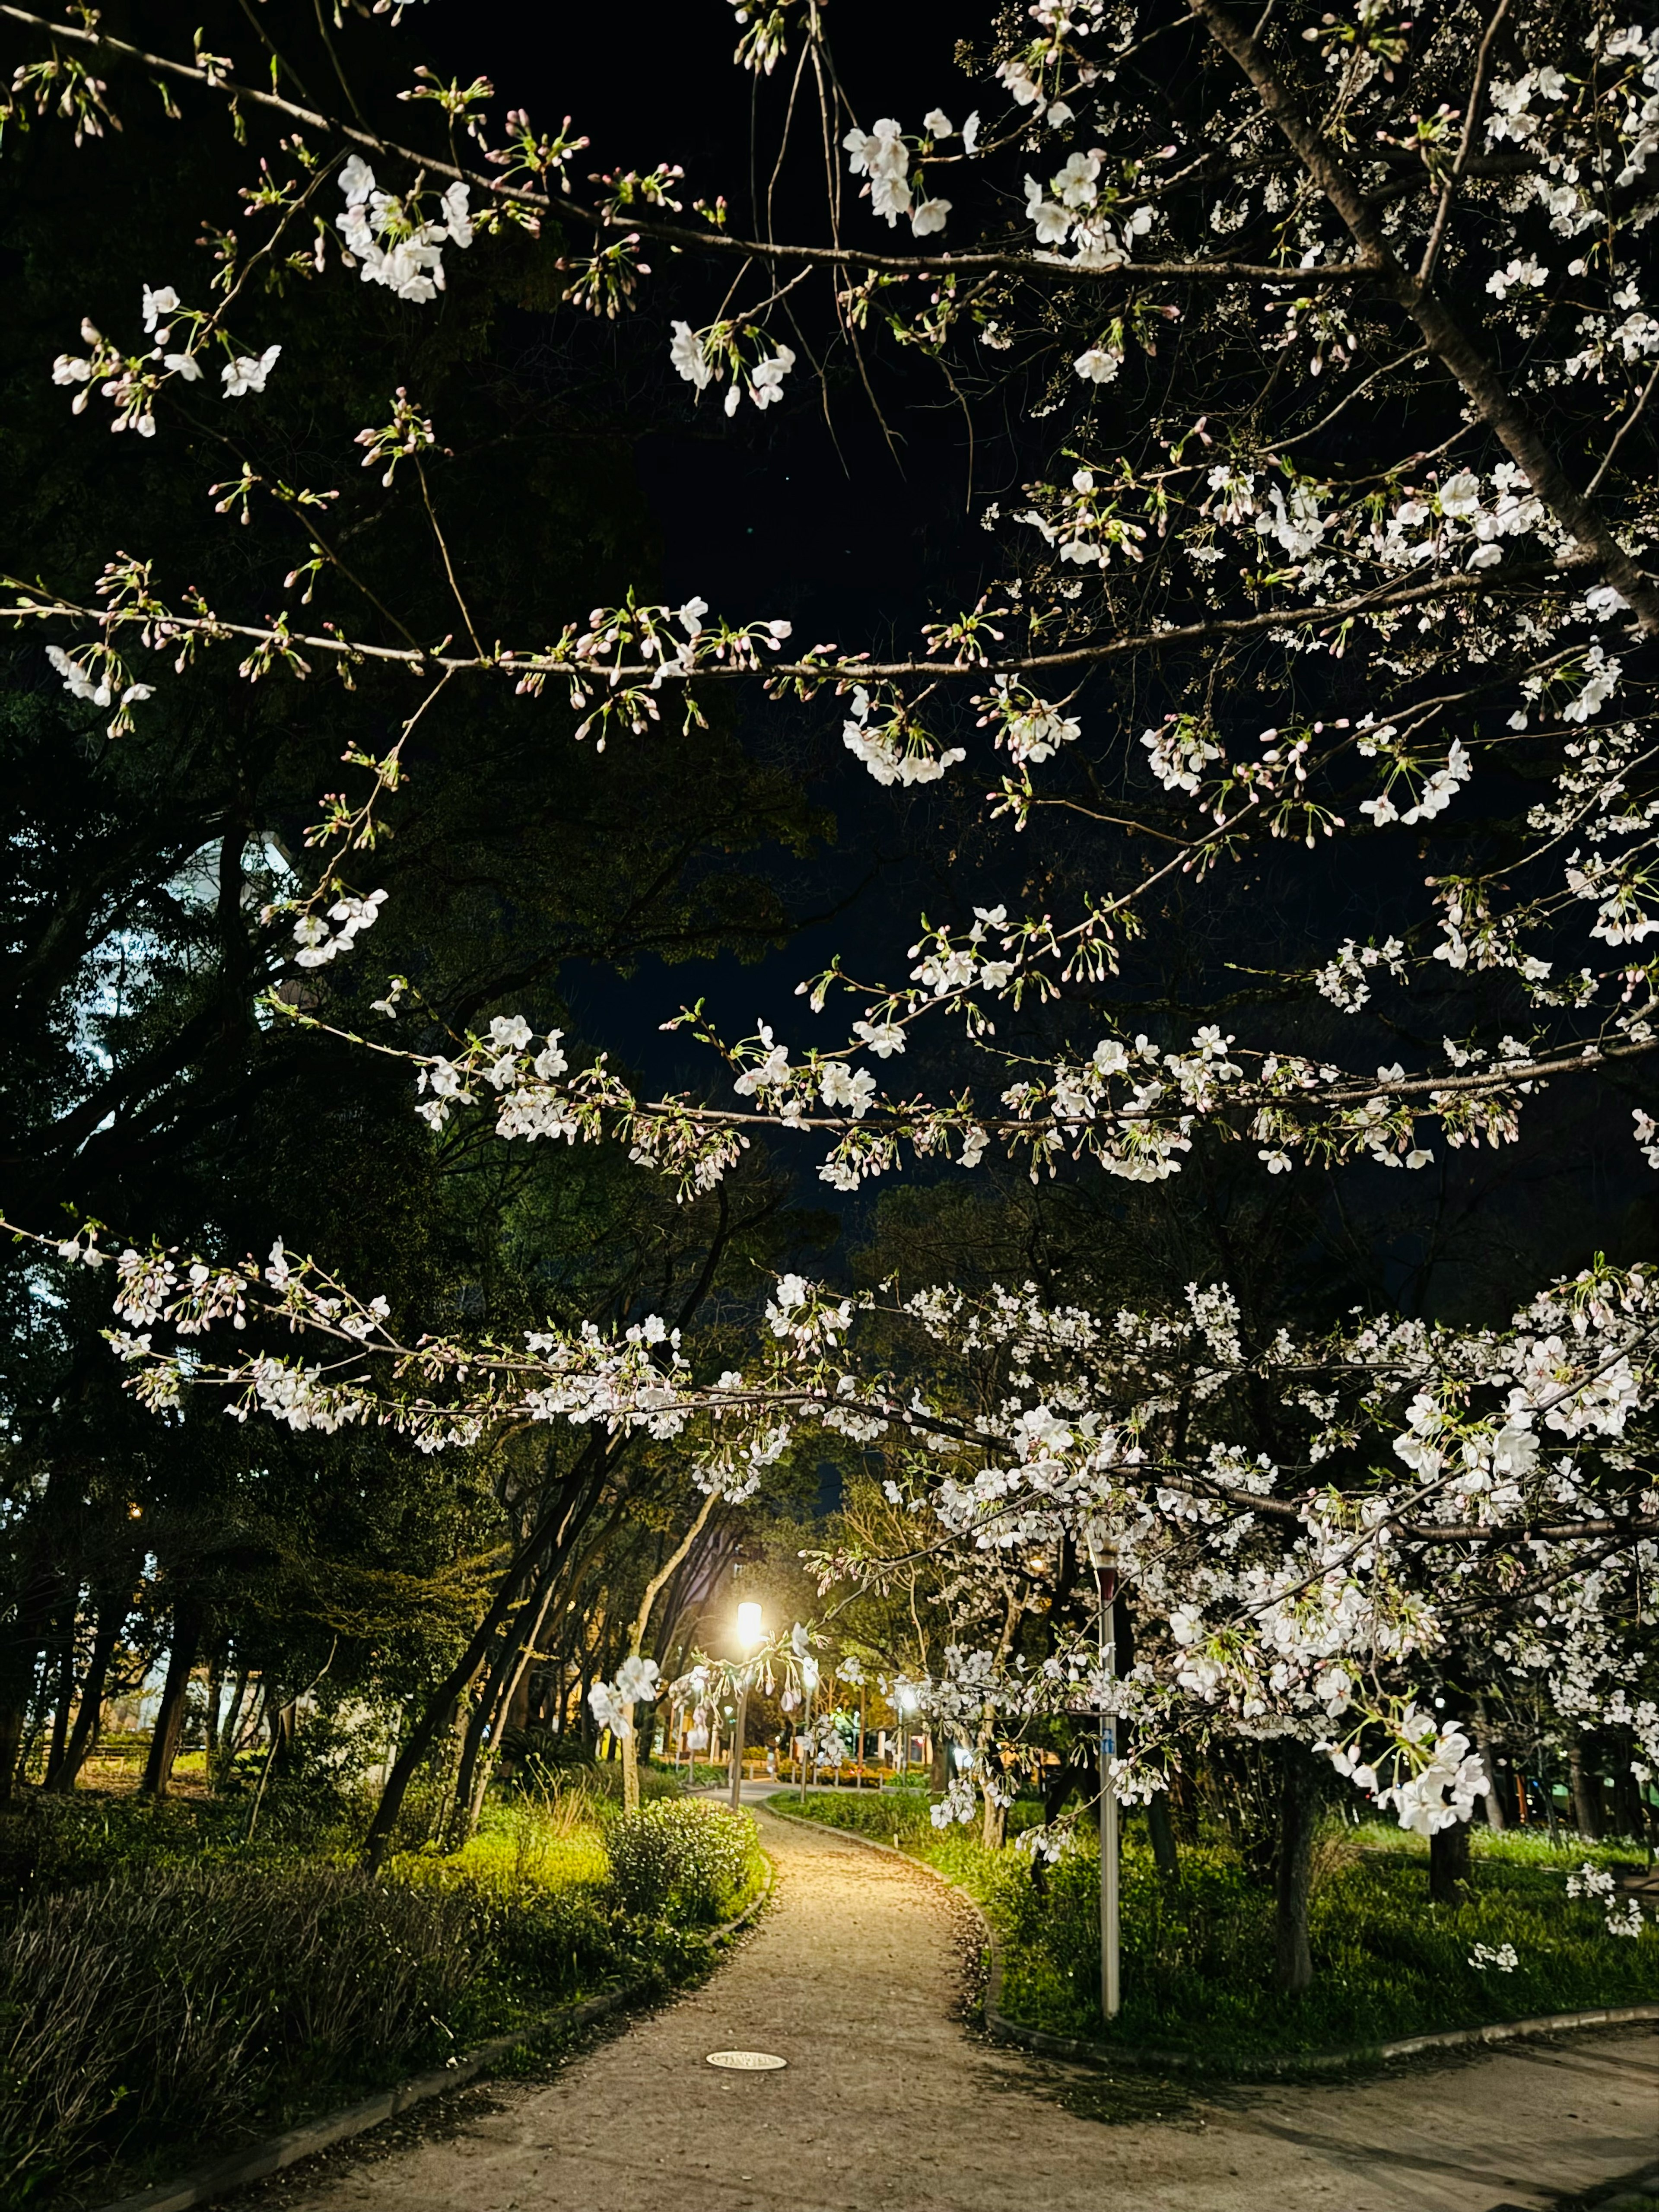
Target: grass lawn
(1198, 1953)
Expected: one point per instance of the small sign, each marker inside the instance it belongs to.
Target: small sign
(747, 2061)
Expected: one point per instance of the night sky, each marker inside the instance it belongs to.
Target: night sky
(858, 529)
(808, 513)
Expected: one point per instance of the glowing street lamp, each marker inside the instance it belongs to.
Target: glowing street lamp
(749, 1632)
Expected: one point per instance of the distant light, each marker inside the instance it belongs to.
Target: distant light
(749, 1631)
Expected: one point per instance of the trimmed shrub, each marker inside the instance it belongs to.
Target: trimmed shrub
(684, 1859)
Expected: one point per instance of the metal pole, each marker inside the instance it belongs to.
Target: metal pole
(802, 1740)
(1103, 1557)
(736, 1746)
(1111, 1998)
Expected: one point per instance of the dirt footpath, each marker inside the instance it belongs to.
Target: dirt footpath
(854, 1976)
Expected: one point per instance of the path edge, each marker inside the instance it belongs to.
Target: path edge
(217, 2178)
(1001, 2029)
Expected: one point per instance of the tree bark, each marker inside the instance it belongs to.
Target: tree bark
(20, 1649)
(1627, 1794)
(215, 1691)
(1448, 1862)
(1493, 1800)
(463, 1815)
(224, 1766)
(112, 1620)
(187, 1617)
(491, 1710)
(1586, 1808)
(1160, 1827)
(993, 1833)
(65, 1700)
(636, 1640)
(1298, 1814)
(554, 1524)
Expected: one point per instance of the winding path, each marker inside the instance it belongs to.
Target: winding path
(853, 1977)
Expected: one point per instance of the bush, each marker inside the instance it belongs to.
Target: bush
(684, 1859)
(1198, 1953)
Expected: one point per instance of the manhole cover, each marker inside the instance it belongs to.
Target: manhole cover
(747, 2061)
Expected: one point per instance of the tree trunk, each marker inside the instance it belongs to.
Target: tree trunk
(170, 1715)
(1299, 1813)
(994, 1831)
(517, 1713)
(554, 1526)
(225, 1764)
(500, 1695)
(1586, 1811)
(1493, 1800)
(474, 1765)
(60, 1718)
(1448, 1862)
(20, 1649)
(1161, 1829)
(1627, 1798)
(636, 1640)
(1184, 1807)
(112, 1620)
(215, 1691)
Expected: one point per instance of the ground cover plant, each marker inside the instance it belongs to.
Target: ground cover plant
(166, 1985)
(1198, 1951)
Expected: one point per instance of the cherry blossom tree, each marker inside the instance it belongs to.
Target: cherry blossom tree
(1326, 343)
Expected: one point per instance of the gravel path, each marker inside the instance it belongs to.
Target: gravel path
(855, 1976)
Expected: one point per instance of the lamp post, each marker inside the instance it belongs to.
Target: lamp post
(1102, 1558)
(906, 1706)
(749, 1635)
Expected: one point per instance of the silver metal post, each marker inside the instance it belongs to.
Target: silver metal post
(736, 1746)
(1103, 1557)
(1111, 1995)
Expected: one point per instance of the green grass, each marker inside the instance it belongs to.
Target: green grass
(1198, 1955)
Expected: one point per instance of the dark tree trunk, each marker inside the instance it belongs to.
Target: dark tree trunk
(60, 1718)
(170, 1717)
(1493, 1800)
(520, 1704)
(1299, 1814)
(1586, 1810)
(483, 1723)
(225, 1764)
(112, 1620)
(1161, 1829)
(1184, 1805)
(557, 1525)
(1627, 1799)
(1448, 1862)
(21, 1645)
(215, 1691)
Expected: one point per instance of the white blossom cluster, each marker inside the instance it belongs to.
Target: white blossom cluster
(389, 238)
